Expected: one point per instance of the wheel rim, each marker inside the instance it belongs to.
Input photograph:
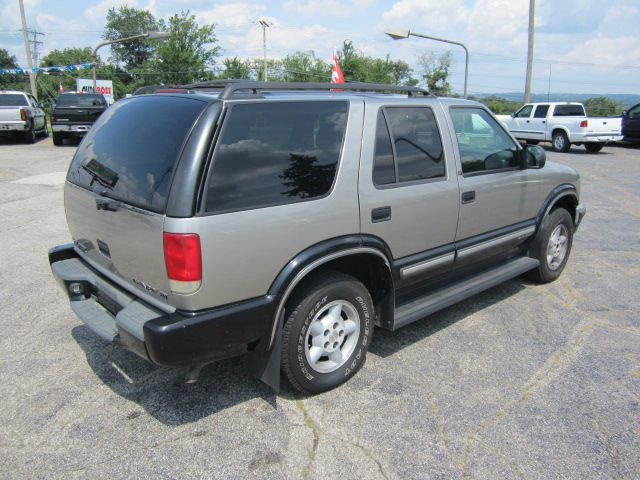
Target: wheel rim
(332, 336)
(558, 142)
(557, 246)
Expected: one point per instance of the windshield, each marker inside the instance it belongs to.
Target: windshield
(132, 150)
(13, 100)
(81, 100)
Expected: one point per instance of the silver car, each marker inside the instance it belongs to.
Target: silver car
(288, 221)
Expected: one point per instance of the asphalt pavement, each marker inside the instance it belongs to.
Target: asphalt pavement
(522, 381)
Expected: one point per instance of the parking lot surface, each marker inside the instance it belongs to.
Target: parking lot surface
(522, 381)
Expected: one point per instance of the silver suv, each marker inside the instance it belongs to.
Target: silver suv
(286, 221)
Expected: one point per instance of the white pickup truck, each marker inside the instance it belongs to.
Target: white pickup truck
(562, 124)
(21, 114)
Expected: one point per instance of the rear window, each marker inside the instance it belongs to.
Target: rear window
(81, 100)
(568, 111)
(131, 151)
(276, 153)
(13, 100)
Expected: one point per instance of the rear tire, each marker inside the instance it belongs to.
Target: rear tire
(327, 332)
(593, 147)
(57, 139)
(560, 142)
(45, 130)
(552, 246)
(30, 135)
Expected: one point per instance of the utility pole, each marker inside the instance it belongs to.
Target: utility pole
(35, 43)
(32, 78)
(527, 85)
(264, 24)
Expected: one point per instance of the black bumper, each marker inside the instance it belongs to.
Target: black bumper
(170, 339)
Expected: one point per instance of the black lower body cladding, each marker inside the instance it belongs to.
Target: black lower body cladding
(170, 339)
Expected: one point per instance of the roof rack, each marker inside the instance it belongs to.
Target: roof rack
(230, 87)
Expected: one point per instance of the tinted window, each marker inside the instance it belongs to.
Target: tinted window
(133, 147)
(524, 112)
(568, 111)
(634, 112)
(276, 153)
(541, 111)
(13, 100)
(483, 145)
(81, 100)
(384, 169)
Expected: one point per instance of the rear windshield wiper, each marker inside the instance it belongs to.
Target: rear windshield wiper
(100, 173)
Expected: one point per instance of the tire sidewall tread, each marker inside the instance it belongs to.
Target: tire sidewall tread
(307, 301)
(544, 274)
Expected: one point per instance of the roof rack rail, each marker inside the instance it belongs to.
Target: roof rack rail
(230, 87)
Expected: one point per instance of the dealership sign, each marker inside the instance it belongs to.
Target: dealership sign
(105, 87)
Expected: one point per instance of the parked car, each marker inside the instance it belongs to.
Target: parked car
(21, 115)
(631, 124)
(284, 225)
(74, 114)
(563, 124)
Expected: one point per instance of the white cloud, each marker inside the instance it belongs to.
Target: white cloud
(336, 8)
(427, 16)
(232, 15)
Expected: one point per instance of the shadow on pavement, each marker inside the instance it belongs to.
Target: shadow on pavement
(162, 392)
(387, 343)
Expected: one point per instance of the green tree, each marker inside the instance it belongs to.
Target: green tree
(304, 67)
(10, 81)
(236, 68)
(499, 105)
(187, 54)
(126, 22)
(435, 72)
(602, 107)
(362, 68)
(67, 56)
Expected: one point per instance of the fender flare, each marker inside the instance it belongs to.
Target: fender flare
(561, 191)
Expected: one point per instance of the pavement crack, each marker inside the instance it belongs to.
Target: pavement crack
(316, 431)
(369, 454)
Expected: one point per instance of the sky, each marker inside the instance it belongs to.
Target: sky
(581, 46)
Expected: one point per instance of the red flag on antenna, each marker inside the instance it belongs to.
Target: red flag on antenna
(336, 72)
(61, 89)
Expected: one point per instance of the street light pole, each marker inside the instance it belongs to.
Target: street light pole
(397, 35)
(149, 35)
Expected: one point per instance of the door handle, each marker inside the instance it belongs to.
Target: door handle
(528, 121)
(544, 121)
(380, 214)
(468, 197)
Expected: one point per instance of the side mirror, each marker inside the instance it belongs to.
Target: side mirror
(535, 156)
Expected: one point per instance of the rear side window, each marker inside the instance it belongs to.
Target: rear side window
(81, 100)
(408, 146)
(568, 111)
(541, 111)
(276, 153)
(13, 100)
(132, 149)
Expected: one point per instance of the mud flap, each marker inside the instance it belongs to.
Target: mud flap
(265, 366)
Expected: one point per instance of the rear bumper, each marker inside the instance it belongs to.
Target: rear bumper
(597, 138)
(171, 339)
(14, 127)
(71, 129)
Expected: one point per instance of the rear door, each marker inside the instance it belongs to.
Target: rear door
(631, 121)
(118, 184)
(538, 122)
(408, 187)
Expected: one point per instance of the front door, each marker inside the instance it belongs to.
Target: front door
(497, 197)
(538, 122)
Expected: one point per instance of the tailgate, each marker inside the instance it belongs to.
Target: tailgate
(126, 243)
(604, 126)
(76, 115)
(10, 114)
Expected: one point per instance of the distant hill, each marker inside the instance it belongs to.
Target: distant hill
(627, 100)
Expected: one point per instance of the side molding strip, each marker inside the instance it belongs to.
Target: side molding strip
(517, 235)
(422, 267)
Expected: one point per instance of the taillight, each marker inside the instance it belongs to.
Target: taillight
(23, 115)
(584, 123)
(183, 259)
